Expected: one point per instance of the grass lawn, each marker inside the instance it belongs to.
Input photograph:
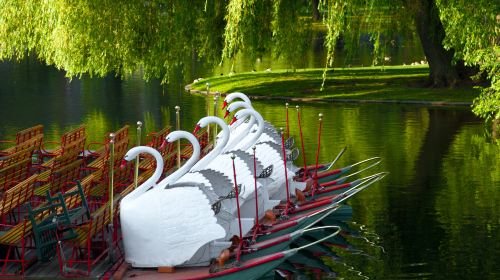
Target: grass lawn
(400, 83)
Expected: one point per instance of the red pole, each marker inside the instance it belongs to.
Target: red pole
(238, 253)
(317, 153)
(302, 143)
(256, 195)
(286, 172)
(287, 125)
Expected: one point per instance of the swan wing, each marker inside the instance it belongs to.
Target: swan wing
(166, 227)
(187, 223)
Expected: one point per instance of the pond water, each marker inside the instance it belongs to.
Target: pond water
(434, 217)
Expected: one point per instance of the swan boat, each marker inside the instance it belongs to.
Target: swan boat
(189, 195)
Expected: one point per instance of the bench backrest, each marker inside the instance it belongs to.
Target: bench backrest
(73, 135)
(35, 142)
(17, 157)
(18, 195)
(14, 174)
(65, 175)
(156, 138)
(28, 133)
(76, 147)
(120, 135)
(68, 213)
(44, 229)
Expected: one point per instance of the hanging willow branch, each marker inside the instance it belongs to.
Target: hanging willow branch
(334, 20)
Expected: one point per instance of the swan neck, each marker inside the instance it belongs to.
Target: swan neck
(243, 96)
(153, 179)
(192, 160)
(236, 138)
(218, 148)
(257, 134)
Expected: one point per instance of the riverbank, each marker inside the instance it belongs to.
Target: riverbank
(389, 84)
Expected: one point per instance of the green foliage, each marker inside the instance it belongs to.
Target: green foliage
(101, 37)
(248, 27)
(487, 105)
(290, 31)
(472, 30)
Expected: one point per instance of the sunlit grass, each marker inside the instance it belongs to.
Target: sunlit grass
(363, 83)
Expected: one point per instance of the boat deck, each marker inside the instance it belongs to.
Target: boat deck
(50, 270)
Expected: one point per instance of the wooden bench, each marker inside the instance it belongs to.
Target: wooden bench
(57, 221)
(202, 136)
(155, 139)
(69, 152)
(23, 136)
(14, 198)
(122, 177)
(93, 237)
(90, 245)
(66, 139)
(121, 134)
(46, 170)
(19, 237)
(120, 149)
(14, 174)
(60, 178)
(16, 157)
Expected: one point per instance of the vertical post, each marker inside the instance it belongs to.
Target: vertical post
(208, 113)
(255, 190)
(111, 170)
(302, 143)
(110, 195)
(286, 172)
(178, 127)
(287, 125)
(216, 113)
(317, 153)
(136, 170)
(237, 194)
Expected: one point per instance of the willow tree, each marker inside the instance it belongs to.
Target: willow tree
(459, 38)
(99, 37)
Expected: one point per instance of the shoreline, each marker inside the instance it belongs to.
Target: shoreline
(188, 89)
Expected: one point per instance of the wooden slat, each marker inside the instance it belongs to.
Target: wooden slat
(14, 235)
(121, 134)
(14, 173)
(121, 149)
(17, 195)
(29, 133)
(60, 177)
(16, 157)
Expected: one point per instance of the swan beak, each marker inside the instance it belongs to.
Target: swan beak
(163, 145)
(123, 164)
(224, 104)
(233, 120)
(227, 114)
(197, 127)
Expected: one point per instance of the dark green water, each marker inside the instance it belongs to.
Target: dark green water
(434, 217)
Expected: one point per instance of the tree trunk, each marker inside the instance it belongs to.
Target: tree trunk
(431, 33)
(315, 11)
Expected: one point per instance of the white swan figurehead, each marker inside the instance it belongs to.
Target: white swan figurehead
(236, 105)
(174, 136)
(165, 227)
(252, 139)
(220, 144)
(230, 97)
